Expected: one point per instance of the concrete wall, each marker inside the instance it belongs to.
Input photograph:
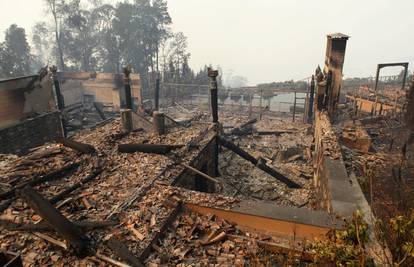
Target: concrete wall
(25, 97)
(107, 88)
(334, 191)
(204, 162)
(33, 132)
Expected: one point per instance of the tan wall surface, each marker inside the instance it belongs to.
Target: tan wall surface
(25, 97)
(105, 87)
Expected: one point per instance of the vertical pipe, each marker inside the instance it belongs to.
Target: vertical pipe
(251, 105)
(127, 86)
(60, 99)
(294, 108)
(260, 108)
(405, 76)
(213, 93)
(157, 93)
(158, 122)
(376, 77)
(311, 98)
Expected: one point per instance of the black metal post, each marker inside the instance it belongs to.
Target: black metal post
(60, 99)
(213, 91)
(157, 93)
(311, 98)
(127, 85)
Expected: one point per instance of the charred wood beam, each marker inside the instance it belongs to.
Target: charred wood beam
(46, 227)
(122, 251)
(81, 147)
(158, 121)
(72, 188)
(276, 133)
(10, 259)
(60, 223)
(244, 129)
(160, 234)
(99, 110)
(6, 203)
(50, 176)
(257, 162)
(148, 148)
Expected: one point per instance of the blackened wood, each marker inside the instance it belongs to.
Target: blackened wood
(214, 94)
(44, 226)
(277, 133)
(50, 176)
(72, 188)
(62, 226)
(258, 163)
(78, 146)
(122, 251)
(147, 148)
(127, 122)
(244, 129)
(157, 94)
(9, 259)
(167, 223)
(158, 121)
(233, 147)
(99, 110)
(6, 203)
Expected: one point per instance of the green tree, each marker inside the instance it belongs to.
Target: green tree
(15, 58)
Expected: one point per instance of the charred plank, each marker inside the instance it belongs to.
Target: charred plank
(72, 188)
(167, 223)
(50, 176)
(122, 251)
(148, 148)
(60, 223)
(78, 146)
(43, 226)
(260, 163)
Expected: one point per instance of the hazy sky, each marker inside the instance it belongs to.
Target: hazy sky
(273, 40)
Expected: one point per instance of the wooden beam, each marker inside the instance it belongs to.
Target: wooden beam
(78, 146)
(147, 148)
(38, 180)
(44, 226)
(167, 223)
(72, 188)
(257, 162)
(62, 226)
(122, 251)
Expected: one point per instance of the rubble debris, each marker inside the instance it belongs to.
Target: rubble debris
(355, 136)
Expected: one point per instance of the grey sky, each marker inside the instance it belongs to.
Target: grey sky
(274, 40)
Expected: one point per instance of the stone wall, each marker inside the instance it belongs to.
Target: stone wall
(33, 132)
(204, 162)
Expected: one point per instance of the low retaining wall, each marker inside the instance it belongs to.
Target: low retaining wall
(18, 139)
(334, 191)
